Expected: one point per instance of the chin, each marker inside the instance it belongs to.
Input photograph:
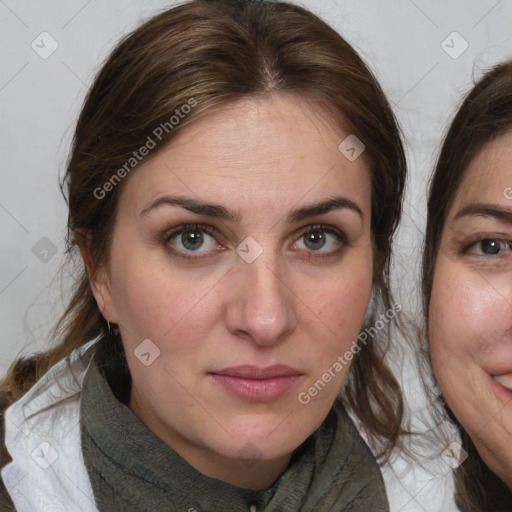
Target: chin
(263, 439)
(261, 449)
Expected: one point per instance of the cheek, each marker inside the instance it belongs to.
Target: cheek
(330, 335)
(348, 302)
(155, 302)
(451, 329)
(339, 305)
(467, 317)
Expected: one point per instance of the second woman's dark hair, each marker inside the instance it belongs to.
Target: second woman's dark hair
(485, 114)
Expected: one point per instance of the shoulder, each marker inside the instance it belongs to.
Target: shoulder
(6, 504)
(53, 401)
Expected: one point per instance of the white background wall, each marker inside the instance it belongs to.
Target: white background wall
(40, 100)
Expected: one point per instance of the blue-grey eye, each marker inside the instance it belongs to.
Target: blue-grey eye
(192, 239)
(315, 240)
(490, 247)
(188, 239)
(321, 239)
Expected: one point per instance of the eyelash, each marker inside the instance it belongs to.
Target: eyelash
(342, 239)
(466, 248)
(169, 235)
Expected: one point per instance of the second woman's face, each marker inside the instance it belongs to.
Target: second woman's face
(470, 326)
(240, 270)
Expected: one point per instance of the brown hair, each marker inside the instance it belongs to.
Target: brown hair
(486, 113)
(211, 53)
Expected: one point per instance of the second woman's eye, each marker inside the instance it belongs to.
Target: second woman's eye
(322, 239)
(490, 247)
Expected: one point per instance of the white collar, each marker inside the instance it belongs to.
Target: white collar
(42, 435)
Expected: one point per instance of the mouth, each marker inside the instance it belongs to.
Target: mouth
(257, 384)
(504, 380)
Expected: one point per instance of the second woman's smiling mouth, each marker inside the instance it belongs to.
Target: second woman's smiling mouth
(505, 381)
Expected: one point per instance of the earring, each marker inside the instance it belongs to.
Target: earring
(109, 328)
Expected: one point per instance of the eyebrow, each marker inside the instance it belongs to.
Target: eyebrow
(220, 212)
(486, 210)
(335, 203)
(195, 206)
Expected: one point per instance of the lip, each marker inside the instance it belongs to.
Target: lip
(499, 389)
(257, 384)
(505, 380)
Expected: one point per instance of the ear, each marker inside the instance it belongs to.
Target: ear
(99, 277)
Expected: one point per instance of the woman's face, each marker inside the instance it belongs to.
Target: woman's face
(242, 252)
(470, 323)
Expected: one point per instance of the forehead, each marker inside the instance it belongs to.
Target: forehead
(488, 174)
(273, 150)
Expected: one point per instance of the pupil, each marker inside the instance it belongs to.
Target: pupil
(490, 247)
(192, 239)
(315, 240)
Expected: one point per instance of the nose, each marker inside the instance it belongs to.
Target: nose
(262, 306)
